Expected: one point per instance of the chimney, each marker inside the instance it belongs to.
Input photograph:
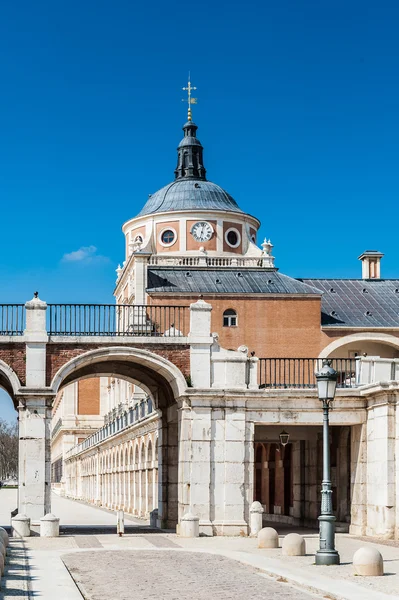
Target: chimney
(371, 260)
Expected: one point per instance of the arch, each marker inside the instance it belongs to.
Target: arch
(9, 380)
(145, 369)
(149, 451)
(366, 336)
(136, 455)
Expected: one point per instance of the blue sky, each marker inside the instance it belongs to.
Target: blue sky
(298, 114)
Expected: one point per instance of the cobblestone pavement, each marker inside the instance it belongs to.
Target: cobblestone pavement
(172, 575)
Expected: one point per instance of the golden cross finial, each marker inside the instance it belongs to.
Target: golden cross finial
(190, 100)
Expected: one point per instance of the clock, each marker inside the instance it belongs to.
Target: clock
(202, 231)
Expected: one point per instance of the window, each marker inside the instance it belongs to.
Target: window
(138, 239)
(168, 237)
(229, 318)
(233, 237)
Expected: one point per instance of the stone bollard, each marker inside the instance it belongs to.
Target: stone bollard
(189, 526)
(154, 518)
(256, 521)
(49, 526)
(367, 561)
(3, 549)
(2, 562)
(20, 526)
(4, 536)
(293, 545)
(268, 538)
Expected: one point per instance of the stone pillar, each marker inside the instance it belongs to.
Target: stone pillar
(381, 500)
(200, 341)
(216, 466)
(35, 418)
(195, 465)
(358, 467)
(140, 277)
(34, 466)
(36, 339)
(297, 481)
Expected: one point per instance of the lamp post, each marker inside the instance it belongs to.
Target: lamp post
(326, 386)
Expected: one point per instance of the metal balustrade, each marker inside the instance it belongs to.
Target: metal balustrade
(117, 320)
(12, 319)
(132, 416)
(285, 373)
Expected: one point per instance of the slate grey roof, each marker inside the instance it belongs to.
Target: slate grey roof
(189, 194)
(358, 302)
(224, 281)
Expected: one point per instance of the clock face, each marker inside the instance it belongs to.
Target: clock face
(202, 231)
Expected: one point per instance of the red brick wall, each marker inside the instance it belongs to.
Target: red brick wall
(59, 354)
(89, 397)
(15, 357)
(272, 327)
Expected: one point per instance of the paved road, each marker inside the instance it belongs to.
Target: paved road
(172, 575)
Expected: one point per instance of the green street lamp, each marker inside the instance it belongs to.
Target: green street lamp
(326, 386)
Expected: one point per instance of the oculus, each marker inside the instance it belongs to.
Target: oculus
(202, 231)
(168, 237)
(233, 237)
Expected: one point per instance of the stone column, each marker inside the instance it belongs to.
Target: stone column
(35, 419)
(195, 464)
(297, 480)
(381, 499)
(200, 341)
(34, 465)
(358, 467)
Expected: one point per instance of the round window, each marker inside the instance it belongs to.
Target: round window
(168, 236)
(233, 237)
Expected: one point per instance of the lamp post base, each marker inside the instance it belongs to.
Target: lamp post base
(327, 557)
(327, 554)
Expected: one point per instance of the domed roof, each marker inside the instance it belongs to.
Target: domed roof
(190, 194)
(190, 190)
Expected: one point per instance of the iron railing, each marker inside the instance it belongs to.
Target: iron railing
(287, 373)
(12, 319)
(116, 319)
(129, 416)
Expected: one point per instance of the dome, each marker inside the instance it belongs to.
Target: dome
(190, 194)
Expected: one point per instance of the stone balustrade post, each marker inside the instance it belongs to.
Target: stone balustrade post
(36, 339)
(200, 340)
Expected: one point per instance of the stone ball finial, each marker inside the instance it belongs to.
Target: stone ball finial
(293, 545)
(36, 294)
(268, 538)
(368, 561)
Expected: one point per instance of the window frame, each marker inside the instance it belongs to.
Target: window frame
(230, 318)
(167, 244)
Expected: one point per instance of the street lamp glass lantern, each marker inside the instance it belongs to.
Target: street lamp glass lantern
(326, 382)
(284, 438)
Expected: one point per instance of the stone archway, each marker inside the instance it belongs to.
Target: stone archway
(9, 381)
(165, 383)
(371, 341)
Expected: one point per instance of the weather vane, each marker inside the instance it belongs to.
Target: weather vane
(190, 100)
